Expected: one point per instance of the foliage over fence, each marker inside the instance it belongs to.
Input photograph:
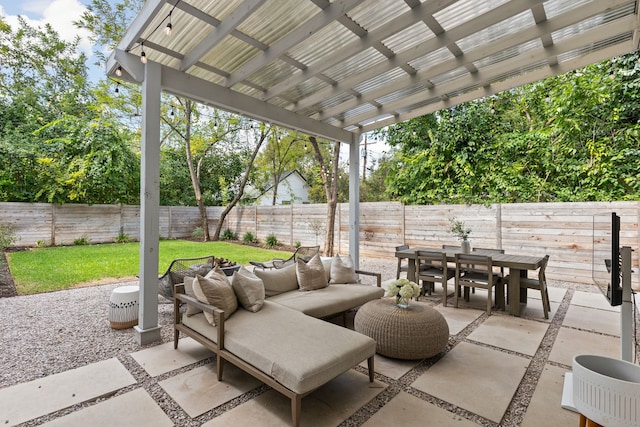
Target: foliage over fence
(562, 230)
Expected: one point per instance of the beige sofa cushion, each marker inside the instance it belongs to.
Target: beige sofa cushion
(343, 270)
(278, 280)
(188, 289)
(249, 289)
(311, 275)
(329, 301)
(215, 290)
(303, 356)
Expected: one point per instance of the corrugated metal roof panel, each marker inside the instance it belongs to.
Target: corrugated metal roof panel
(463, 11)
(373, 14)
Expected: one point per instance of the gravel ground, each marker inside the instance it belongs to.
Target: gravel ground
(49, 333)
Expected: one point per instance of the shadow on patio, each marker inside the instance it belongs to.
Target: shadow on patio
(497, 370)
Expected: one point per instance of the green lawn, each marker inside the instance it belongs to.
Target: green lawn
(51, 269)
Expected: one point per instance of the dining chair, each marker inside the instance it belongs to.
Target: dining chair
(476, 271)
(490, 251)
(539, 283)
(431, 268)
(401, 266)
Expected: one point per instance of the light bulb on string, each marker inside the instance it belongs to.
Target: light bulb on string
(169, 26)
(143, 56)
(117, 87)
(119, 71)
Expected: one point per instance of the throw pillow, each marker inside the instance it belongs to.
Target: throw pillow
(215, 291)
(188, 289)
(311, 274)
(249, 289)
(342, 270)
(278, 280)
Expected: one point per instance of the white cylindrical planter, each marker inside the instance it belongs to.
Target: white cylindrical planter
(123, 307)
(465, 246)
(606, 390)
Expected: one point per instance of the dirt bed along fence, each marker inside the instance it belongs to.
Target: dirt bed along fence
(562, 230)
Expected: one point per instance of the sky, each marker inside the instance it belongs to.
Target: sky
(60, 14)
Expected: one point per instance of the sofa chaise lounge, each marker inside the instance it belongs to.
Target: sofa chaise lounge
(284, 343)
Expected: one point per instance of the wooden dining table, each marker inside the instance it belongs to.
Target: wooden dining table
(518, 266)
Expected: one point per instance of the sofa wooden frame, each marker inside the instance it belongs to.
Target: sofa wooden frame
(223, 354)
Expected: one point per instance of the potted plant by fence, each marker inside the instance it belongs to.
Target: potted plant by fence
(459, 229)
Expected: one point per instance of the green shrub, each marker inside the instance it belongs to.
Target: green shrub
(271, 241)
(228, 234)
(123, 238)
(249, 237)
(82, 240)
(41, 244)
(197, 233)
(298, 244)
(7, 236)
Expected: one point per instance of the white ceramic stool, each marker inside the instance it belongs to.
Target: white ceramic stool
(123, 307)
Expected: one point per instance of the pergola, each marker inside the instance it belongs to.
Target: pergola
(337, 69)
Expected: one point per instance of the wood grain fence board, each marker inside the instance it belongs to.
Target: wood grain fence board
(130, 221)
(99, 223)
(562, 230)
(184, 220)
(31, 221)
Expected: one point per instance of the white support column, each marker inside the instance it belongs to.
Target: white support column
(148, 329)
(354, 202)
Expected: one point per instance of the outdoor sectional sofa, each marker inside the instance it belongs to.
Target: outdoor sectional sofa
(283, 342)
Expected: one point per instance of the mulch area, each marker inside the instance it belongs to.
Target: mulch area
(7, 287)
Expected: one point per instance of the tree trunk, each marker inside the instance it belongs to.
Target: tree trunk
(195, 178)
(243, 183)
(331, 191)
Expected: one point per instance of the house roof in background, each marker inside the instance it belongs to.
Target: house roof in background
(338, 68)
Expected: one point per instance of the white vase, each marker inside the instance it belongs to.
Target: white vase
(465, 246)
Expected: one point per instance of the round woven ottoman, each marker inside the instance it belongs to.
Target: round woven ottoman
(416, 332)
(123, 307)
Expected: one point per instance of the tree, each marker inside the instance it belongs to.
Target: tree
(330, 182)
(572, 137)
(284, 151)
(265, 130)
(55, 145)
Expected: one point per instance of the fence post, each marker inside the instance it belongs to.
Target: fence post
(53, 224)
(499, 226)
(404, 217)
(291, 225)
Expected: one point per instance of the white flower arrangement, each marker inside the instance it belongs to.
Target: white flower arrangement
(403, 288)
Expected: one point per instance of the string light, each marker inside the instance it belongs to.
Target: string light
(119, 71)
(117, 87)
(143, 56)
(169, 26)
(168, 29)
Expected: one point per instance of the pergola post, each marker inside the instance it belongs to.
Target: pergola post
(148, 330)
(354, 202)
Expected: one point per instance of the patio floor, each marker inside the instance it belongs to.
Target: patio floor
(497, 370)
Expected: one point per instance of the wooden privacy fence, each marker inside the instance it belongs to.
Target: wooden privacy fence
(562, 230)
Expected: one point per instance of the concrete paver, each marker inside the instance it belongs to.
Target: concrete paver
(409, 411)
(544, 408)
(511, 333)
(329, 405)
(135, 408)
(476, 378)
(26, 401)
(164, 358)
(199, 390)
